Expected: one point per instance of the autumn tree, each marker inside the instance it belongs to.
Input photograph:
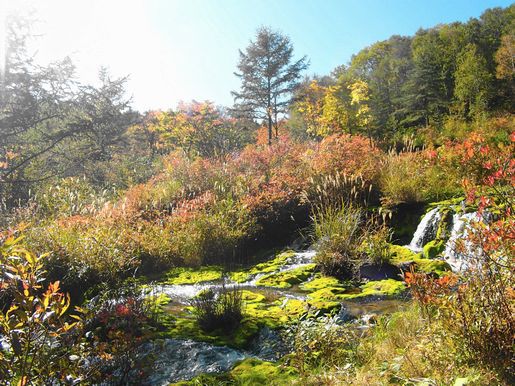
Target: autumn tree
(360, 98)
(268, 77)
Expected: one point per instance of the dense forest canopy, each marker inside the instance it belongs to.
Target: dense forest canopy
(451, 71)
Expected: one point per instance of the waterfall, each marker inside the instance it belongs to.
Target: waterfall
(458, 249)
(426, 230)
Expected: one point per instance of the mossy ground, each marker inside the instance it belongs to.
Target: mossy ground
(180, 276)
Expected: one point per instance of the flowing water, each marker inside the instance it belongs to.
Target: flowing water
(458, 249)
(426, 230)
(183, 359)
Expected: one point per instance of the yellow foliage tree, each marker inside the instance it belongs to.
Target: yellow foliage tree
(359, 93)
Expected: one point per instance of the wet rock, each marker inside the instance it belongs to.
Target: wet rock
(184, 359)
(375, 272)
(269, 345)
(344, 315)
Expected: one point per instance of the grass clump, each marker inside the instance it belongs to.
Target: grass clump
(338, 231)
(221, 309)
(411, 177)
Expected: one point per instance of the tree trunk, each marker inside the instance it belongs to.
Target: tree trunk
(269, 128)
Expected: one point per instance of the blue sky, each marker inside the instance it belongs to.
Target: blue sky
(182, 50)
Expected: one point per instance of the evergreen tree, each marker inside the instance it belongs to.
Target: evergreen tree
(268, 77)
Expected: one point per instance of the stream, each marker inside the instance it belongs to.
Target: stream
(183, 359)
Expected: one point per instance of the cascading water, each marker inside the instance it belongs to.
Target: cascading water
(458, 249)
(426, 230)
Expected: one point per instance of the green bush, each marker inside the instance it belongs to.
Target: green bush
(69, 197)
(213, 236)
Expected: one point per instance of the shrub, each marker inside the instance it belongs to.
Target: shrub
(349, 155)
(376, 244)
(219, 309)
(39, 340)
(70, 196)
(119, 321)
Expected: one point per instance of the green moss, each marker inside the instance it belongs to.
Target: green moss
(326, 299)
(253, 371)
(266, 267)
(184, 325)
(193, 275)
(450, 205)
(432, 266)
(381, 288)
(433, 248)
(249, 372)
(286, 279)
(240, 276)
(252, 297)
(400, 254)
(320, 282)
(278, 313)
(158, 301)
(388, 288)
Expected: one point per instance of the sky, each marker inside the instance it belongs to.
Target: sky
(176, 50)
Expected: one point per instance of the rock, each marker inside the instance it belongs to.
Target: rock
(344, 315)
(268, 345)
(184, 359)
(375, 272)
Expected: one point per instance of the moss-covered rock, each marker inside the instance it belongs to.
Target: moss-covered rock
(320, 282)
(286, 279)
(402, 255)
(184, 325)
(433, 248)
(278, 313)
(381, 288)
(265, 267)
(435, 266)
(193, 275)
